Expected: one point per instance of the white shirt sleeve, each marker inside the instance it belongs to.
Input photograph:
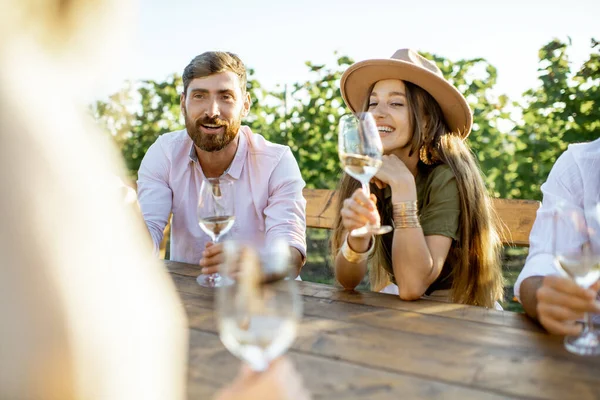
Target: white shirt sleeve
(564, 185)
(154, 193)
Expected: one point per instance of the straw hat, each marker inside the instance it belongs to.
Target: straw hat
(410, 66)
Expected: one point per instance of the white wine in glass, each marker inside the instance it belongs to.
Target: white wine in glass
(217, 225)
(361, 151)
(577, 255)
(216, 216)
(259, 313)
(361, 168)
(584, 269)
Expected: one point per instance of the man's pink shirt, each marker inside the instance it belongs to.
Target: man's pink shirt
(268, 193)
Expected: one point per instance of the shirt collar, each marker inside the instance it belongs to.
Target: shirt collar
(236, 166)
(193, 155)
(235, 169)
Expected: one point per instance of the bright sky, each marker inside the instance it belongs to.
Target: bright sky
(276, 37)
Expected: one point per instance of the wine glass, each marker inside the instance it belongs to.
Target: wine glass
(258, 314)
(577, 255)
(216, 217)
(360, 151)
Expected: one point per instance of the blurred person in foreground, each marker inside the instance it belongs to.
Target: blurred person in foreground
(86, 311)
(557, 302)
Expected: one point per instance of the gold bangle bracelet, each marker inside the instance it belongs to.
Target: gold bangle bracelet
(406, 223)
(353, 256)
(405, 206)
(405, 215)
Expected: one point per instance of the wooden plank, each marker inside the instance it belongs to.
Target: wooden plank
(386, 301)
(422, 306)
(507, 370)
(517, 216)
(466, 332)
(212, 366)
(320, 207)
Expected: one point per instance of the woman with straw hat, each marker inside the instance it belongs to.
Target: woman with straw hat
(445, 241)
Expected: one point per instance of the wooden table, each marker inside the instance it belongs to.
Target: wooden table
(364, 345)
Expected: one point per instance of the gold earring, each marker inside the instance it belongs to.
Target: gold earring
(424, 156)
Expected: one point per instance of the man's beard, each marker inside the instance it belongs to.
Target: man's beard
(211, 142)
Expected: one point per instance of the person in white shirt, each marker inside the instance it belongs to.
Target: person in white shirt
(555, 301)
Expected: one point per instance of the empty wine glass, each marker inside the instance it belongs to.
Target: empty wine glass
(360, 151)
(216, 217)
(577, 255)
(258, 314)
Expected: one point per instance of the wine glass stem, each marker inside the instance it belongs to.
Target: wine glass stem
(589, 325)
(258, 365)
(366, 189)
(215, 275)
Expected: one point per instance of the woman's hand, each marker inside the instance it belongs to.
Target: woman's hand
(357, 211)
(395, 173)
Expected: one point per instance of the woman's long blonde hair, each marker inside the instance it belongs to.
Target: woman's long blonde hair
(476, 267)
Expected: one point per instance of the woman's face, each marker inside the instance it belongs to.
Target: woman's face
(388, 105)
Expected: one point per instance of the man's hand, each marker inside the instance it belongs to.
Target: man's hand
(561, 303)
(212, 257)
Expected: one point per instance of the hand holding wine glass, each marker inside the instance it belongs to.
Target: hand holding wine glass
(216, 215)
(577, 256)
(259, 313)
(360, 151)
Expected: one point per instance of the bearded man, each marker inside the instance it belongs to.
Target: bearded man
(267, 181)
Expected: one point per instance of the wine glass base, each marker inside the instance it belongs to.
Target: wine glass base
(256, 359)
(369, 230)
(212, 281)
(587, 344)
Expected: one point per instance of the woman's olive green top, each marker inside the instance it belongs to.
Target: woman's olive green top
(438, 203)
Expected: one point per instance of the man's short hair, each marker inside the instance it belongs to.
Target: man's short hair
(214, 62)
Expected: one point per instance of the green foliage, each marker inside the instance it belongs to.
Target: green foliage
(138, 114)
(305, 117)
(493, 148)
(562, 110)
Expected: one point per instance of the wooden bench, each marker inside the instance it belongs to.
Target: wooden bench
(517, 216)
